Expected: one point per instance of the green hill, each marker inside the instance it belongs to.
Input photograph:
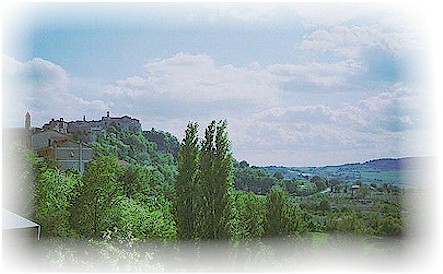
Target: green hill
(401, 171)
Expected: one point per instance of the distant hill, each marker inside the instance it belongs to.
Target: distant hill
(400, 171)
(407, 163)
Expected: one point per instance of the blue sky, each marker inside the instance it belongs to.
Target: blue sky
(300, 84)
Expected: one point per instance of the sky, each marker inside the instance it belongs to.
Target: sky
(299, 84)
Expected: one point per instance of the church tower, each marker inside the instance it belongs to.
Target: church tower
(27, 121)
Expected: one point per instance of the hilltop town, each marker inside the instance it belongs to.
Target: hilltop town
(67, 141)
(87, 131)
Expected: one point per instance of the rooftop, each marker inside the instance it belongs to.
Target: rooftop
(12, 221)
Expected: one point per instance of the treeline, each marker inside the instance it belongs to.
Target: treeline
(203, 194)
(127, 189)
(109, 197)
(142, 147)
(259, 181)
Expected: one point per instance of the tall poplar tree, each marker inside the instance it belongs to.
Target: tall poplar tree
(205, 218)
(216, 177)
(186, 183)
(224, 170)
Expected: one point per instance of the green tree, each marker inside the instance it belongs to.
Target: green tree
(99, 192)
(53, 200)
(324, 205)
(132, 147)
(363, 191)
(242, 164)
(165, 141)
(253, 179)
(278, 175)
(334, 185)
(249, 214)
(390, 225)
(148, 219)
(306, 188)
(215, 183)
(296, 220)
(186, 183)
(275, 215)
(320, 183)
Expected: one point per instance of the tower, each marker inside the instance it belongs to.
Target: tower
(27, 121)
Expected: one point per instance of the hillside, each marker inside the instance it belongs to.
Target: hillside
(408, 163)
(401, 171)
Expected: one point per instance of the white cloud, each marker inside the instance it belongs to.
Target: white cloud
(389, 15)
(373, 127)
(196, 78)
(42, 88)
(194, 87)
(318, 74)
(348, 41)
(398, 109)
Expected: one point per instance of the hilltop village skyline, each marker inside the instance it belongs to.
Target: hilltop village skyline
(61, 125)
(67, 141)
(87, 130)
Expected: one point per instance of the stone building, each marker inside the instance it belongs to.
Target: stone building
(56, 125)
(19, 136)
(44, 138)
(52, 141)
(68, 153)
(65, 141)
(87, 131)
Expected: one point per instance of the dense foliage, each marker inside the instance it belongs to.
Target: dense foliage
(204, 184)
(165, 141)
(207, 195)
(99, 192)
(186, 186)
(145, 164)
(276, 215)
(215, 184)
(132, 148)
(253, 179)
(54, 192)
(248, 215)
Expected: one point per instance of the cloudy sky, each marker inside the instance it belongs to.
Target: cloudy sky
(299, 84)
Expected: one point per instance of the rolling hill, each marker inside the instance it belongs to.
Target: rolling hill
(401, 171)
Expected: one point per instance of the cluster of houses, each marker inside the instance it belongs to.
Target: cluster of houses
(67, 142)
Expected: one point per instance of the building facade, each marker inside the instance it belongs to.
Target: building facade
(56, 125)
(87, 131)
(68, 153)
(45, 138)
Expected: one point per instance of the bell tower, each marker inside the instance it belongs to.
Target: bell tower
(27, 121)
